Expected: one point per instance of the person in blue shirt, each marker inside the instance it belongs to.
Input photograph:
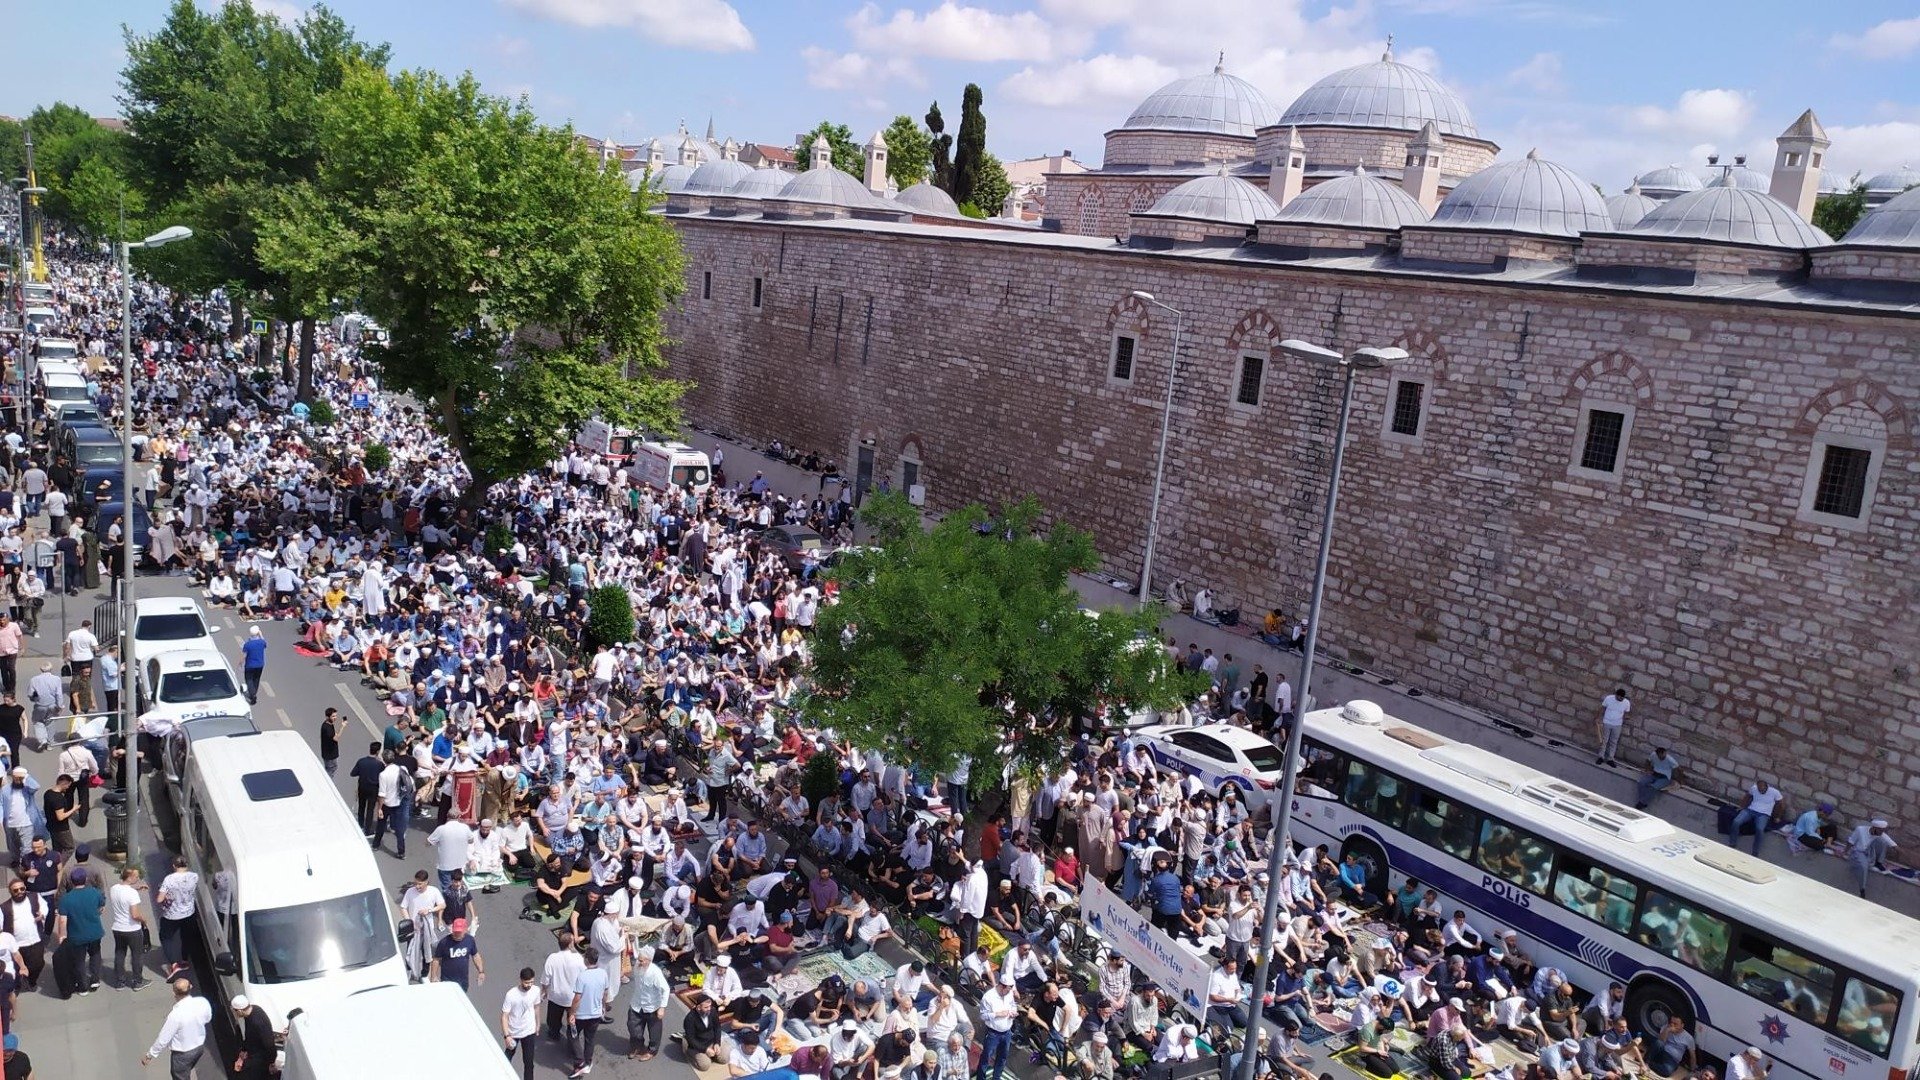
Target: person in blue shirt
(77, 925)
(1353, 881)
(1168, 895)
(254, 663)
(455, 955)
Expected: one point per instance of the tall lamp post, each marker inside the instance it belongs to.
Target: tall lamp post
(129, 738)
(1349, 366)
(27, 189)
(1160, 461)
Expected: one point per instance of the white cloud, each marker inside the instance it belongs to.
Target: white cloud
(1541, 75)
(284, 10)
(1870, 149)
(1702, 114)
(956, 32)
(1890, 40)
(1096, 82)
(707, 25)
(829, 70)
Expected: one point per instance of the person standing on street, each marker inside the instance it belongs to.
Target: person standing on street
(44, 693)
(110, 677)
(257, 1045)
(1867, 850)
(77, 927)
(647, 1012)
(130, 929)
(520, 1020)
(456, 959)
(720, 765)
(13, 728)
(452, 842)
(22, 917)
(557, 980)
(591, 995)
(184, 1035)
(1613, 716)
(366, 773)
(330, 727)
(79, 652)
(11, 641)
(177, 902)
(253, 663)
(14, 1061)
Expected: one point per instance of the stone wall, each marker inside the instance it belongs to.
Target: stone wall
(1379, 149)
(1472, 562)
(1486, 248)
(1867, 264)
(1733, 260)
(1174, 148)
(1096, 204)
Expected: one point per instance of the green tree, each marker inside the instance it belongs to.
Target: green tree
(520, 281)
(990, 191)
(940, 144)
(609, 616)
(970, 150)
(968, 640)
(909, 152)
(1836, 215)
(97, 195)
(13, 149)
(847, 155)
(81, 164)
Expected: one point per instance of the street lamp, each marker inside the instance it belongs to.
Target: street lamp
(1349, 366)
(129, 738)
(1160, 462)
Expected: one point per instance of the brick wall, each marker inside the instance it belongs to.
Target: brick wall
(1703, 258)
(1447, 244)
(1472, 563)
(1174, 148)
(1377, 149)
(1867, 264)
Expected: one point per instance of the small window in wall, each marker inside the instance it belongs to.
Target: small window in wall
(1253, 374)
(1120, 366)
(706, 285)
(756, 294)
(1406, 416)
(1841, 488)
(1600, 440)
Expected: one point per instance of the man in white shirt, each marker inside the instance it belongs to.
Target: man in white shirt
(557, 979)
(1756, 814)
(519, 1019)
(1224, 994)
(184, 1035)
(176, 902)
(79, 650)
(1750, 1064)
(452, 844)
(129, 926)
(998, 1008)
(723, 983)
(1613, 717)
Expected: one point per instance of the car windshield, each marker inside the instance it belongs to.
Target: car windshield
(185, 687)
(306, 941)
(99, 453)
(1265, 758)
(180, 626)
(67, 392)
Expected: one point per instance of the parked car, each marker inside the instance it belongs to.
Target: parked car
(793, 542)
(1220, 756)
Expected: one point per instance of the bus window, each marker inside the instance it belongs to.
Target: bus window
(1323, 767)
(1781, 976)
(1512, 855)
(1588, 890)
(1867, 1015)
(1379, 795)
(1688, 934)
(1441, 823)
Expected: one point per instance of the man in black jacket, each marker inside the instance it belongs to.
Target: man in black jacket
(366, 772)
(257, 1049)
(701, 1035)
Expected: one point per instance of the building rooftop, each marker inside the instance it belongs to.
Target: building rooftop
(1220, 197)
(1383, 94)
(1894, 223)
(1731, 214)
(1358, 200)
(1530, 195)
(1214, 104)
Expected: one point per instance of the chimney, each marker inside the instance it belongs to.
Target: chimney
(656, 155)
(730, 150)
(1801, 152)
(877, 165)
(1288, 170)
(1010, 206)
(689, 153)
(820, 155)
(1421, 179)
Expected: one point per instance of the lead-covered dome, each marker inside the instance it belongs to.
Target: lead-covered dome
(1731, 214)
(1666, 182)
(1894, 223)
(1627, 208)
(1530, 196)
(718, 177)
(667, 180)
(1742, 177)
(829, 186)
(1360, 201)
(761, 184)
(1212, 104)
(1383, 94)
(1220, 197)
(927, 199)
(1893, 181)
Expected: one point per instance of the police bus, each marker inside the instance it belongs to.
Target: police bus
(1746, 953)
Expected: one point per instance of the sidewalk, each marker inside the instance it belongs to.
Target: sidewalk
(1686, 808)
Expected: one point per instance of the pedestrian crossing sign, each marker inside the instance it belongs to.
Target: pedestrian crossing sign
(259, 326)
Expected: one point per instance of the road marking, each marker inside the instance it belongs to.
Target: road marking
(267, 690)
(284, 718)
(358, 709)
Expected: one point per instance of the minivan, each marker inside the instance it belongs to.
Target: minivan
(53, 348)
(80, 447)
(60, 386)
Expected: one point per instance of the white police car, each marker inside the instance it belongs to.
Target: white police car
(182, 684)
(1219, 756)
(168, 623)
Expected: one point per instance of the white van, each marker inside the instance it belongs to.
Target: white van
(61, 386)
(53, 348)
(40, 318)
(602, 439)
(357, 1037)
(671, 464)
(291, 903)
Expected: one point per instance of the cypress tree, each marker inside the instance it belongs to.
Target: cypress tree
(971, 147)
(942, 145)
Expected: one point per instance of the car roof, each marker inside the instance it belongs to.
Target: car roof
(93, 434)
(166, 605)
(1233, 736)
(180, 659)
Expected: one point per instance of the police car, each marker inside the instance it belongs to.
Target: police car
(182, 684)
(1220, 756)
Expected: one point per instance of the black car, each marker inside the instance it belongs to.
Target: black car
(793, 542)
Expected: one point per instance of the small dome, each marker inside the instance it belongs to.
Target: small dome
(761, 184)
(1832, 183)
(1529, 196)
(927, 199)
(1359, 201)
(1894, 181)
(1729, 213)
(1213, 104)
(828, 186)
(1665, 183)
(1627, 208)
(1742, 177)
(1383, 94)
(717, 177)
(1220, 197)
(1894, 223)
(671, 179)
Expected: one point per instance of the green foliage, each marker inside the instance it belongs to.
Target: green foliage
(1836, 215)
(378, 457)
(991, 187)
(970, 149)
(96, 196)
(499, 538)
(847, 155)
(960, 641)
(940, 145)
(909, 152)
(820, 778)
(609, 616)
(969, 210)
(13, 149)
(320, 413)
(520, 281)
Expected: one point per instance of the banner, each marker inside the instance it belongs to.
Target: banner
(1176, 968)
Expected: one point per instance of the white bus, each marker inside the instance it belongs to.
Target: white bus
(1748, 954)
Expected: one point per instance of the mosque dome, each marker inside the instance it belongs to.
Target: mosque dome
(1627, 208)
(1894, 181)
(1742, 176)
(707, 149)
(672, 179)
(1383, 94)
(1664, 183)
(1894, 223)
(1832, 183)
(1220, 197)
(1212, 104)
(716, 177)
(1530, 196)
(1729, 213)
(828, 186)
(1359, 200)
(761, 184)
(927, 199)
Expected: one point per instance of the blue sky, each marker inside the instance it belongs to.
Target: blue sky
(1608, 89)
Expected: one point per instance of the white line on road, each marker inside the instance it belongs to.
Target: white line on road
(358, 709)
(284, 718)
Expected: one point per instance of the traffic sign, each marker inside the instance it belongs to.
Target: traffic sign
(361, 401)
(44, 554)
(259, 326)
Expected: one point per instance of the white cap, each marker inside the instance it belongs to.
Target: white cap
(1879, 823)
(239, 1002)
(1755, 1053)
(724, 961)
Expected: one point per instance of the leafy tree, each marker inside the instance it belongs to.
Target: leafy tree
(1836, 215)
(520, 281)
(97, 195)
(940, 145)
(81, 164)
(847, 155)
(990, 193)
(378, 457)
(320, 413)
(609, 616)
(909, 152)
(968, 640)
(971, 149)
(13, 149)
